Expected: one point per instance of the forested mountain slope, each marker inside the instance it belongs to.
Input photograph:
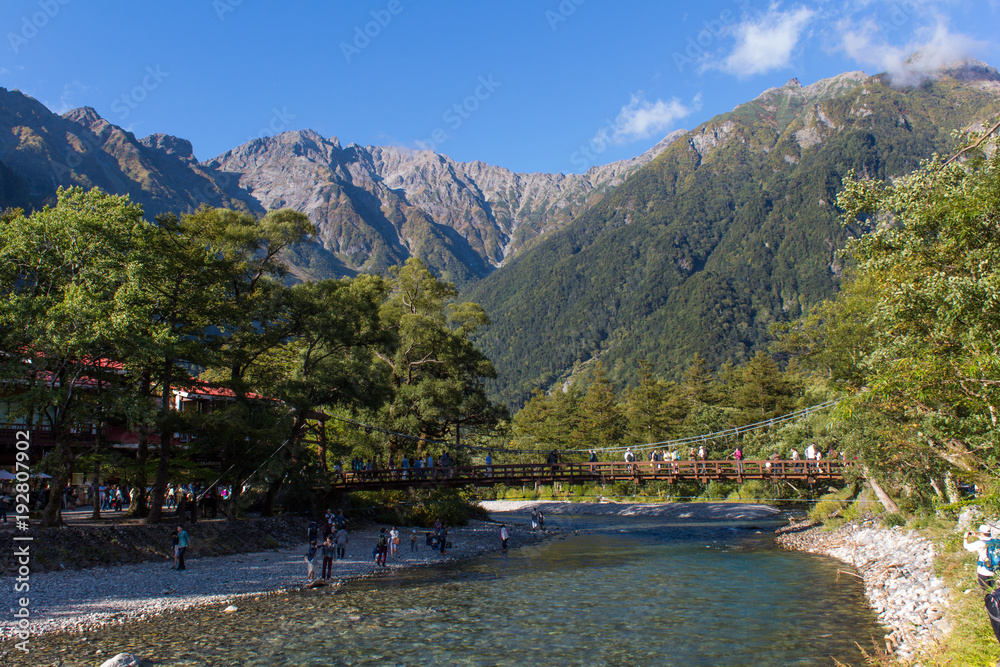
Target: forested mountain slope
(729, 230)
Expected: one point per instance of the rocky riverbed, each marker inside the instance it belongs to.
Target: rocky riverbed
(897, 567)
(80, 600)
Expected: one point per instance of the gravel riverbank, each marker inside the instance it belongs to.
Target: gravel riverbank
(897, 567)
(76, 600)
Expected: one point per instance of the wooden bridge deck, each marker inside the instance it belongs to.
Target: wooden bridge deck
(604, 472)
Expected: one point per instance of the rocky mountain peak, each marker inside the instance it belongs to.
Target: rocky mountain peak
(975, 73)
(86, 116)
(171, 145)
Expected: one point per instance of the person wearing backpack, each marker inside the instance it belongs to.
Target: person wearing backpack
(987, 555)
(381, 548)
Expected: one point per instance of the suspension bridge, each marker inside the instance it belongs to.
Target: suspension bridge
(638, 472)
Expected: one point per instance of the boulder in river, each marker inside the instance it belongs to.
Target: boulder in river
(122, 660)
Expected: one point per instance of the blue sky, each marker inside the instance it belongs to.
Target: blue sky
(551, 85)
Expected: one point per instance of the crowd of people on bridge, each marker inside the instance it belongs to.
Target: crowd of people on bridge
(416, 467)
(663, 457)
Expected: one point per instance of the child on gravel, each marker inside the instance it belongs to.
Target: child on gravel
(311, 562)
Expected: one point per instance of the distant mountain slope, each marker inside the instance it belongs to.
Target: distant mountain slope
(377, 206)
(374, 207)
(732, 228)
(46, 151)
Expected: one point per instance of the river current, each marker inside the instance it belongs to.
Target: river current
(608, 591)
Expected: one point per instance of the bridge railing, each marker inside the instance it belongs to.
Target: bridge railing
(598, 471)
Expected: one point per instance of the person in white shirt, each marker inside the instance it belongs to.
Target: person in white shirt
(394, 542)
(978, 546)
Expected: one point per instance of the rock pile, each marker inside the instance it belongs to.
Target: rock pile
(897, 568)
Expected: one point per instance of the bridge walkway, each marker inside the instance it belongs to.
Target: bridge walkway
(639, 472)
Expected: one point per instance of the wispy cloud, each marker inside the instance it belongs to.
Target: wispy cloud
(642, 119)
(765, 43)
(67, 101)
(932, 47)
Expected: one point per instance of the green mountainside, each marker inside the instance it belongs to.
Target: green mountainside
(729, 230)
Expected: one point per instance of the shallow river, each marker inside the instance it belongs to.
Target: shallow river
(612, 591)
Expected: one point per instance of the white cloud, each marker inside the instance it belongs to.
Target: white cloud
(67, 101)
(641, 119)
(932, 48)
(766, 43)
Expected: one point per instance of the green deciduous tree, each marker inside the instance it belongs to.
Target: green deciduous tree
(436, 374)
(64, 311)
(931, 262)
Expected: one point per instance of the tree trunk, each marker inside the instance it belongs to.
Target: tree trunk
(140, 500)
(95, 487)
(52, 514)
(883, 497)
(951, 488)
(166, 433)
(272, 496)
(232, 502)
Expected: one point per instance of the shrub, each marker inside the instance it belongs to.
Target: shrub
(752, 490)
(891, 519)
(714, 491)
(825, 509)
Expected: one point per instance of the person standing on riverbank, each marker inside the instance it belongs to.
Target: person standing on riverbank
(984, 570)
(174, 541)
(534, 518)
(311, 561)
(394, 542)
(182, 545)
(328, 550)
(504, 536)
(382, 547)
(340, 537)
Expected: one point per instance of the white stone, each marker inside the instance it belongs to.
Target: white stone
(122, 660)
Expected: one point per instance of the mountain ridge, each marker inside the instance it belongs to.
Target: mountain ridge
(374, 206)
(729, 230)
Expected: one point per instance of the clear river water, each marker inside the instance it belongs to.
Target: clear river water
(609, 591)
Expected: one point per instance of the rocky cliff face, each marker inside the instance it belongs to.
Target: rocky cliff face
(80, 148)
(376, 206)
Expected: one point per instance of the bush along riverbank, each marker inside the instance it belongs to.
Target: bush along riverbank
(897, 567)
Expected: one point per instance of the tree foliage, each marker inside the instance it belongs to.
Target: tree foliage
(931, 265)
